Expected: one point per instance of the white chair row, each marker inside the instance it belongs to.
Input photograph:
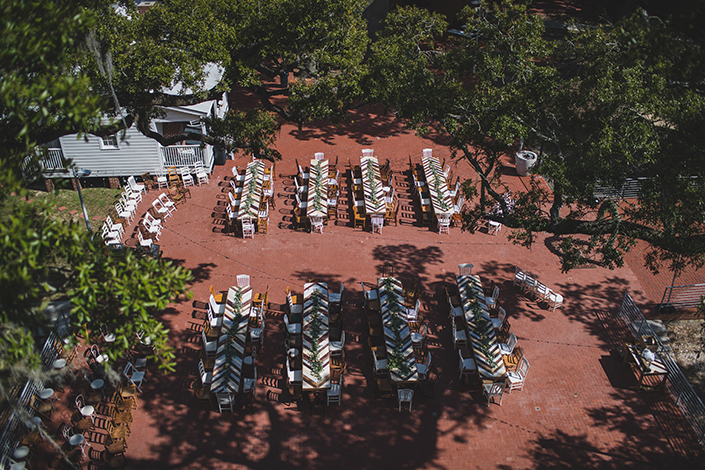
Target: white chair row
(531, 284)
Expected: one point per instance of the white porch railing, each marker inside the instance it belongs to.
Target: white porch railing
(187, 155)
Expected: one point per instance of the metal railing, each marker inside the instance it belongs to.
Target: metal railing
(183, 155)
(629, 190)
(683, 296)
(677, 384)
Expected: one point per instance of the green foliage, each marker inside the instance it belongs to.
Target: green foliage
(600, 106)
(42, 258)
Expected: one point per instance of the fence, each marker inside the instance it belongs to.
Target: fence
(187, 155)
(683, 296)
(676, 383)
(58, 314)
(629, 190)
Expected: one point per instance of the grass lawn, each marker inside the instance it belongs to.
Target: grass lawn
(99, 203)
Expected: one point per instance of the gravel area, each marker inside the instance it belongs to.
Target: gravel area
(685, 339)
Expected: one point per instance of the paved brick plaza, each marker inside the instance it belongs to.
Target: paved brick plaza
(579, 407)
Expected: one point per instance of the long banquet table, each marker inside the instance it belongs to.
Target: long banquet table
(372, 188)
(227, 371)
(316, 345)
(488, 357)
(251, 190)
(437, 186)
(317, 205)
(397, 335)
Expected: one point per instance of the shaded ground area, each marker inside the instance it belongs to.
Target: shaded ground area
(579, 407)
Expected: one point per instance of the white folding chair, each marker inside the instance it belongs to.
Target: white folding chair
(167, 202)
(508, 348)
(135, 186)
(499, 321)
(161, 208)
(405, 395)
(134, 376)
(162, 181)
(424, 367)
(316, 224)
(248, 228)
(186, 176)
(466, 365)
(333, 394)
(492, 391)
(515, 380)
(377, 223)
(201, 173)
(336, 347)
(121, 211)
(492, 301)
(243, 280)
(465, 269)
(225, 401)
(493, 227)
(206, 376)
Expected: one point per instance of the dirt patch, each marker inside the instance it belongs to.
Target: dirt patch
(685, 336)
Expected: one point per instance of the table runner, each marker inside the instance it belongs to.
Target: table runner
(251, 190)
(316, 347)
(317, 205)
(227, 370)
(397, 335)
(372, 186)
(481, 336)
(437, 186)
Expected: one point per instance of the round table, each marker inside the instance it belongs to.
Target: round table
(77, 439)
(87, 410)
(21, 452)
(36, 420)
(97, 384)
(46, 393)
(59, 363)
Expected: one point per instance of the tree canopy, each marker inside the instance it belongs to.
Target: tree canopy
(608, 103)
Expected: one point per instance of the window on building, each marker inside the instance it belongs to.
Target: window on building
(109, 142)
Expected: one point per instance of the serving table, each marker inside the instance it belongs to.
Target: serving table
(397, 335)
(437, 186)
(251, 191)
(316, 346)
(227, 370)
(372, 188)
(481, 335)
(317, 205)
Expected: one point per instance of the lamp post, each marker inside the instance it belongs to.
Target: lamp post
(82, 173)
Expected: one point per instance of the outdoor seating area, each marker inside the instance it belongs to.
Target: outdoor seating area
(250, 196)
(436, 196)
(313, 343)
(89, 414)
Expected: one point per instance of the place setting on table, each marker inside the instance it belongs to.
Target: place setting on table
(373, 188)
(317, 200)
(481, 334)
(401, 361)
(437, 185)
(316, 370)
(230, 354)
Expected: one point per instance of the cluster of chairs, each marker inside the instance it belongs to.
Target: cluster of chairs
(512, 356)
(424, 197)
(248, 225)
(100, 413)
(211, 333)
(301, 180)
(113, 233)
(530, 284)
(186, 175)
(293, 345)
(153, 220)
(494, 227)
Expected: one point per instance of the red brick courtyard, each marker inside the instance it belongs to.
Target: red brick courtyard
(579, 407)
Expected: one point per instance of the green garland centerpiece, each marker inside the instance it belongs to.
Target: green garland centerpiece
(314, 331)
(230, 333)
